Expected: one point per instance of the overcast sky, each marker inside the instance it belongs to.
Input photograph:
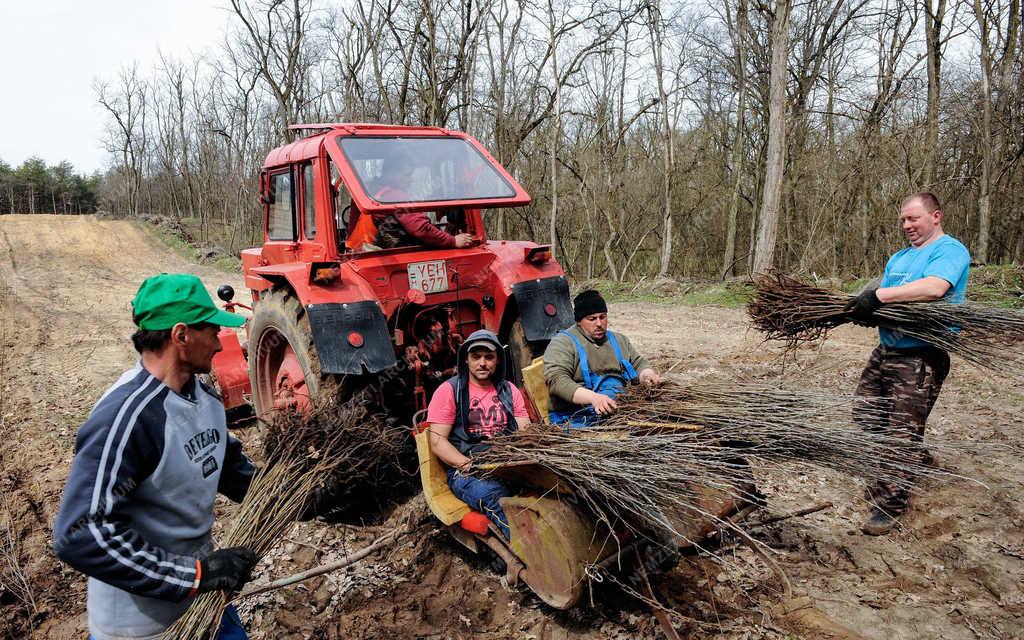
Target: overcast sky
(52, 50)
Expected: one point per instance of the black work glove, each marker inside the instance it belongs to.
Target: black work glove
(226, 569)
(861, 307)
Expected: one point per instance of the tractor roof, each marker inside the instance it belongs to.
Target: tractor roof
(390, 167)
(308, 147)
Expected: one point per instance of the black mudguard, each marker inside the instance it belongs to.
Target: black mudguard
(333, 322)
(532, 296)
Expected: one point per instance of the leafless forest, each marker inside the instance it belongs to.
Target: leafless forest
(666, 137)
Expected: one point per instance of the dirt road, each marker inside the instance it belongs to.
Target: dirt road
(953, 572)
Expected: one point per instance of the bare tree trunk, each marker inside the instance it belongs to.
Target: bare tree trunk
(127, 107)
(985, 180)
(739, 43)
(591, 234)
(752, 228)
(932, 30)
(556, 128)
(764, 251)
(1009, 55)
(613, 232)
(273, 40)
(654, 17)
(830, 138)
(1007, 135)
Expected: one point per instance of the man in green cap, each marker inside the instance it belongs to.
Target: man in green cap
(149, 461)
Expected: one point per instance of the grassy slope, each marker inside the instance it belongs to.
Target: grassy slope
(174, 240)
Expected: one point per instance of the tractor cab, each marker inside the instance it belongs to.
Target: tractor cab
(447, 178)
(319, 191)
(335, 295)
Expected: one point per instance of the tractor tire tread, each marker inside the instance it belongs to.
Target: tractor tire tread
(281, 311)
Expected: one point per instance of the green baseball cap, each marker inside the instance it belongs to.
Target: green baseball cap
(164, 300)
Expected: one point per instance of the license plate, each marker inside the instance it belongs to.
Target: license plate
(428, 277)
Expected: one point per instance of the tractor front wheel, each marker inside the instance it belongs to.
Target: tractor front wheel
(283, 366)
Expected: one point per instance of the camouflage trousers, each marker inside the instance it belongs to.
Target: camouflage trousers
(908, 382)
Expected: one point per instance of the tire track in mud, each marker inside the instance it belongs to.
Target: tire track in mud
(24, 512)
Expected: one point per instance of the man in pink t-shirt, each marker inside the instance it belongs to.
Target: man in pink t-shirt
(475, 405)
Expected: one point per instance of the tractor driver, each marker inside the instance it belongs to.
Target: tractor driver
(401, 228)
(476, 404)
(586, 365)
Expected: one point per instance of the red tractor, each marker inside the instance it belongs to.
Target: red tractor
(328, 302)
(391, 317)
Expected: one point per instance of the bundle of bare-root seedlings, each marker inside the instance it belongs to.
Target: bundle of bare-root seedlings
(333, 442)
(786, 309)
(643, 468)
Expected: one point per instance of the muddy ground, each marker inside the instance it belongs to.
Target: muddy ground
(954, 570)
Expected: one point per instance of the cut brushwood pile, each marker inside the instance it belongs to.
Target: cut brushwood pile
(794, 312)
(303, 453)
(642, 468)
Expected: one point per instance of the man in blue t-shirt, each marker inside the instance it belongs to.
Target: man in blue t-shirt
(907, 372)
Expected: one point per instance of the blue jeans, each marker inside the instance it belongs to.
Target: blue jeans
(481, 494)
(230, 626)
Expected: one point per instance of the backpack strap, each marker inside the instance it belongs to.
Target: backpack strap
(504, 390)
(461, 404)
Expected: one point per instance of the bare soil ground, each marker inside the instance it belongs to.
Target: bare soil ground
(953, 571)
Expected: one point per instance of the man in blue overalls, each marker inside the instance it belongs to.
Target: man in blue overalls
(586, 365)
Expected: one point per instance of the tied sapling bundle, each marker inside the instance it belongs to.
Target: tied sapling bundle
(303, 453)
(786, 309)
(643, 467)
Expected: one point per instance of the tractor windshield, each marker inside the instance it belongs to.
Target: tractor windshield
(423, 169)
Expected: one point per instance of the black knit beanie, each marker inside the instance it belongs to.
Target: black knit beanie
(587, 303)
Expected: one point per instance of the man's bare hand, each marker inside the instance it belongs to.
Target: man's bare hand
(466, 466)
(603, 405)
(464, 240)
(650, 377)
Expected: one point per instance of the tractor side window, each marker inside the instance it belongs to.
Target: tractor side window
(281, 220)
(308, 211)
(342, 202)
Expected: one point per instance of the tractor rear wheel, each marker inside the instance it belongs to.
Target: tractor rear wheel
(521, 352)
(283, 366)
(286, 376)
